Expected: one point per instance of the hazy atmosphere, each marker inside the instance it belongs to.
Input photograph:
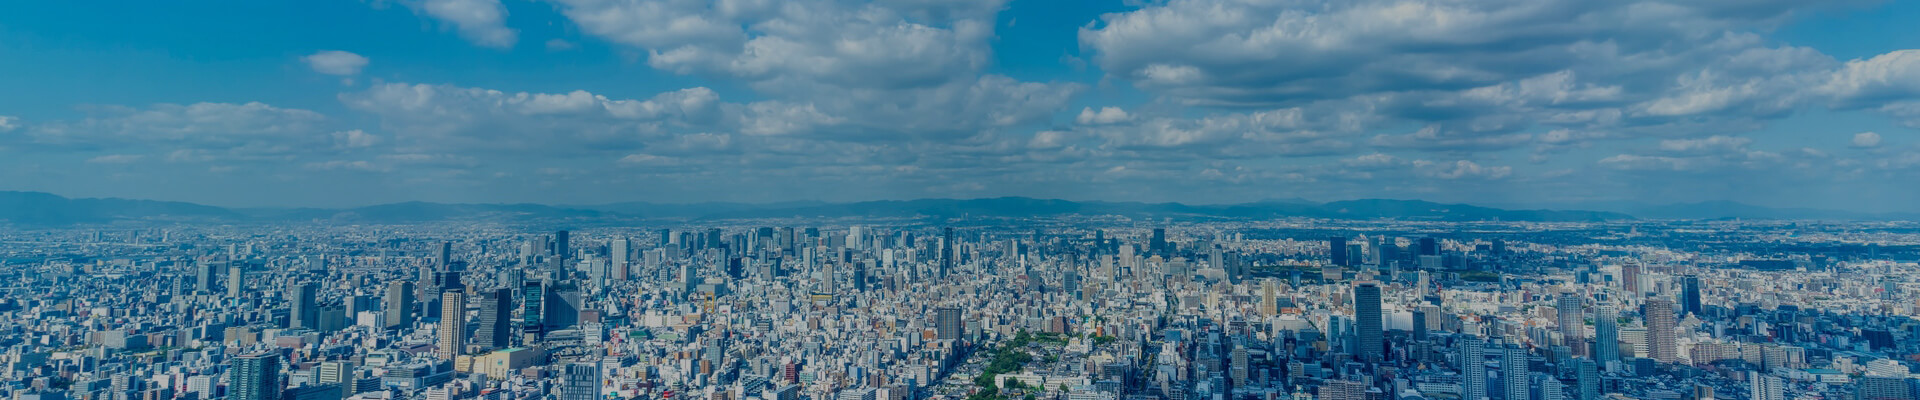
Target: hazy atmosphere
(1537, 103)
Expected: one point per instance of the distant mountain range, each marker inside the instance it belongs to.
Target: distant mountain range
(36, 208)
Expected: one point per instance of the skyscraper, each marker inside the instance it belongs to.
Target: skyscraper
(1606, 334)
(1429, 246)
(496, 319)
(1366, 313)
(561, 250)
(620, 249)
(1158, 244)
(1690, 295)
(203, 276)
(1630, 279)
(236, 280)
(947, 323)
(1473, 368)
(1337, 250)
(533, 297)
(255, 377)
(304, 313)
(581, 381)
(399, 307)
(453, 324)
(1514, 372)
(442, 255)
(1660, 337)
(1572, 316)
(946, 252)
(1589, 379)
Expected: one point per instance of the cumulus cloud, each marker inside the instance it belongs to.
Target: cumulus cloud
(9, 123)
(1866, 140)
(195, 133)
(1712, 144)
(335, 62)
(1106, 115)
(483, 22)
(1461, 169)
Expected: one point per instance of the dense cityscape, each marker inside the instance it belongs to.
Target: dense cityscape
(1069, 308)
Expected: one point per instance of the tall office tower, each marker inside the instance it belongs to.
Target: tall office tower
(689, 276)
(829, 280)
(1572, 312)
(1514, 372)
(442, 255)
(236, 280)
(204, 274)
(1630, 279)
(1269, 297)
(255, 377)
(496, 319)
(581, 381)
(621, 249)
(1341, 389)
(1606, 334)
(1765, 387)
(1589, 380)
(1366, 312)
(1690, 295)
(453, 324)
(1158, 245)
(946, 252)
(305, 313)
(562, 307)
(1337, 250)
(1429, 246)
(1660, 337)
(1419, 328)
(859, 276)
(561, 249)
(947, 323)
(533, 297)
(1473, 368)
(399, 307)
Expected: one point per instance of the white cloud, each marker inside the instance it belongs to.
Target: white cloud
(483, 22)
(1712, 144)
(115, 159)
(335, 62)
(1866, 140)
(8, 123)
(793, 46)
(1461, 169)
(1893, 75)
(1106, 115)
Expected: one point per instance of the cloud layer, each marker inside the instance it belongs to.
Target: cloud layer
(1495, 101)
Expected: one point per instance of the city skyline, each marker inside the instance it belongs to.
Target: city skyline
(1782, 104)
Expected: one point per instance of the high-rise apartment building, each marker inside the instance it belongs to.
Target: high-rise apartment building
(1660, 336)
(1572, 320)
(947, 323)
(453, 324)
(1473, 368)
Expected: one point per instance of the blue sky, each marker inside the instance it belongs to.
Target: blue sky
(1507, 102)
